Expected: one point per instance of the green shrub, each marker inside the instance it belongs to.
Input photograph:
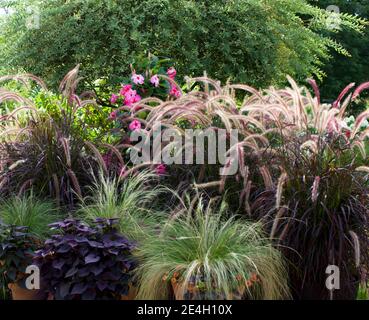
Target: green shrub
(252, 41)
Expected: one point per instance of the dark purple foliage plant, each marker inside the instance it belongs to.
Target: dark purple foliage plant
(85, 262)
(17, 246)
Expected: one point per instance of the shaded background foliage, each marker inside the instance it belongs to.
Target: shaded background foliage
(342, 70)
(251, 41)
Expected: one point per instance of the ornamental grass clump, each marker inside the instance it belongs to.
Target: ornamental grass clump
(202, 254)
(210, 108)
(318, 204)
(131, 200)
(85, 262)
(28, 211)
(48, 151)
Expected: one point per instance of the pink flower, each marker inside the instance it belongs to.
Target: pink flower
(136, 98)
(161, 169)
(125, 89)
(113, 115)
(175, 92)
(137, 79)
(155, 80)
(113, 98)
(135, 125)
(130, 97)
(171, 72)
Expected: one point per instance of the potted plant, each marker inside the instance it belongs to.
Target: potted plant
(86, 262)
(28, 211)
(317, 209)
(32, 215)
(201, 254)
(16, 250)
(130, 200)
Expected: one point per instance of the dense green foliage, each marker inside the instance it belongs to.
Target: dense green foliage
(342, 69)
(252, 41)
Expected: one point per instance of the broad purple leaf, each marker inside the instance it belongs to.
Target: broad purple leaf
(91, 258)
(79, 288)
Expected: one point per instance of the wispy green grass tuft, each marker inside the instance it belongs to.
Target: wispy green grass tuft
(210, 256)
(28, 211)
(131, 200)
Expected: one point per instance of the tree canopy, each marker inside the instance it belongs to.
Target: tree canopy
(342, 70)
(252, 41)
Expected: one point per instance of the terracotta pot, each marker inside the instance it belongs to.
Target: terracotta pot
(19, 293)
(176, 291)
(132, 292)
(192, 292)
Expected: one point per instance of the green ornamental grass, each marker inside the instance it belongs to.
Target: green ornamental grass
(130, 200)
(30, 212)
(206, 255)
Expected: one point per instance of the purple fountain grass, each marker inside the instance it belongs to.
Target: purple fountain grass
(48, 153)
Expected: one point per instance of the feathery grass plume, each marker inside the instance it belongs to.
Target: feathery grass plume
(281, 181)
(130, 200)
(64, 142)
(336, 103)
(359, 89)
(69, 84)
(315, 189)
(49, 147)
(315, 87)
(361, 146)
(210, 107)
(363, 169)
(24, 79)
(75, 183)
(98, 155)
(30, 212)
(359, 120)
(203, 254)
(278, 216)
(356, 245)
(311, 145)
(323, 159)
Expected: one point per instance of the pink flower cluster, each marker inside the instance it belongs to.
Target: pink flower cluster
(174, 91)
(171, 72)
(137, 78)
(135, 125)
(155, 80)
(130, 95)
